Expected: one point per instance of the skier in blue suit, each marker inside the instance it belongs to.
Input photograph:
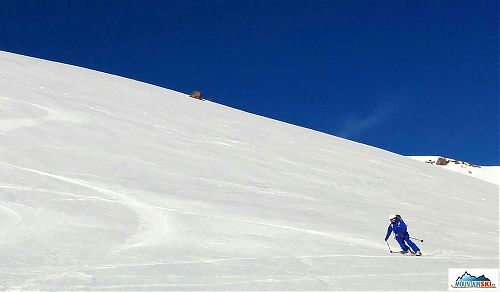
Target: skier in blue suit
(400, 231)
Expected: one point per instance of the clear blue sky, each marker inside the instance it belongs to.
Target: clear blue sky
(413, 77)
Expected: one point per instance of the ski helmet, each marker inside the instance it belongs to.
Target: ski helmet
(391, 217)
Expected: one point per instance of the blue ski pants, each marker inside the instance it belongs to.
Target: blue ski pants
(402, 238)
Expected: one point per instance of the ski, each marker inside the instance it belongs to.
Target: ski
(408, 254)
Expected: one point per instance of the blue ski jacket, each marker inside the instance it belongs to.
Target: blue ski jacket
(399, 228)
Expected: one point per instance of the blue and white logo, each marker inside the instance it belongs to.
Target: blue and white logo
(473, 279)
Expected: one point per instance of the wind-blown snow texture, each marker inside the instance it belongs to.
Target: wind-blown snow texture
(112, 184)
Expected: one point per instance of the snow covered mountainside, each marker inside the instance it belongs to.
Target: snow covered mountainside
(487, 173)
(112, 184)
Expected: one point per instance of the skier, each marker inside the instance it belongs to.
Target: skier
(399, 227)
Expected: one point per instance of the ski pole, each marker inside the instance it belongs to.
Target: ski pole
(421, 240)
(390, 250)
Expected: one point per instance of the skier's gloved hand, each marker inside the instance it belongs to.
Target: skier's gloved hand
(386, 238)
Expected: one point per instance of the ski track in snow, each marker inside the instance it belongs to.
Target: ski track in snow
(151, 222)
(12, 219)
(50, 115)
(149, 218)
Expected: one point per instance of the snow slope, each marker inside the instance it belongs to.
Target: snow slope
(111, 184)
(487, 173)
